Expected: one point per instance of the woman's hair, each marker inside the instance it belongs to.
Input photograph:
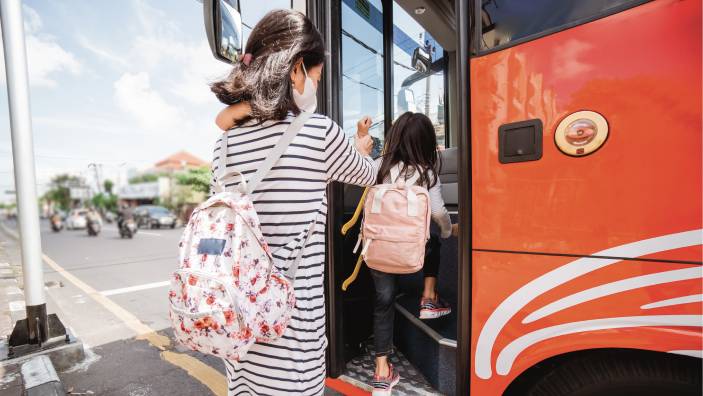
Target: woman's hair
(412, 141)
(276, 43)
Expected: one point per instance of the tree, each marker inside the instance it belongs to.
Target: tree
(105, 201)
(146, 178)
(108, 185)
(60, 191)
(197, 178)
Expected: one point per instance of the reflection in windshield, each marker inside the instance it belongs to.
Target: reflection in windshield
(418, 72)
(231, 33)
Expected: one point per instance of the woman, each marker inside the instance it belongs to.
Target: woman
(276, 79)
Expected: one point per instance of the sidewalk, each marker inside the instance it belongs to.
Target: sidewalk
(11, 295)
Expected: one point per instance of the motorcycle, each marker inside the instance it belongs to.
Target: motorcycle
(56, 223)
(93, 226)
(128, 228)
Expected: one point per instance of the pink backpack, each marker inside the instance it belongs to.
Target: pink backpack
(227, 293)
(396, 225)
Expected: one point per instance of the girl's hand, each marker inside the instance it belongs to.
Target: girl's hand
(362, 126)
(455, 230)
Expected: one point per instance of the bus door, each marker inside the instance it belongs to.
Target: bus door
(395, 56)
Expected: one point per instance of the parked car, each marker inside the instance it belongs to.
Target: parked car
(153, 216)
(76, 219)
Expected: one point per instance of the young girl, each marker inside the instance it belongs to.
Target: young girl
(411, 144)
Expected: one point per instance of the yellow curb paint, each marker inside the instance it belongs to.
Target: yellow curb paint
(207, 375)
(198, 370)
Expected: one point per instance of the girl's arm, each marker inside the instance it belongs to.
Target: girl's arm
(439, 212)
(228, 117)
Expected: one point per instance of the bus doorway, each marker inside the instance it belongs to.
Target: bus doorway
(395, 56)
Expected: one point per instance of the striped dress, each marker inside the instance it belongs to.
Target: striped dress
(287, 201)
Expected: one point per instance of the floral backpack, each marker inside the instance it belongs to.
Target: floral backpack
(226, 293)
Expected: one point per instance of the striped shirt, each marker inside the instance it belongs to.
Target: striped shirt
(288, 201)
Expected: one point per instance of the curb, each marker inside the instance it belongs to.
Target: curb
(38, 373)
(40, 379)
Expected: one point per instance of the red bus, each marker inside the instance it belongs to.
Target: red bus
(571, 144)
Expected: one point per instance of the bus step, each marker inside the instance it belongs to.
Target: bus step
(427, 344)
(360, 371)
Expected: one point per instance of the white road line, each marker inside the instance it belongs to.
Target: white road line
(131, 289)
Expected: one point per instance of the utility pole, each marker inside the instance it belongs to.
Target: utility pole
(38, 327)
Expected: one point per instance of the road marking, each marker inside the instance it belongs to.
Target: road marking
(16, 306)
(130, 289)
(207, 375)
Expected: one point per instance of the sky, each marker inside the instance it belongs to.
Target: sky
(120, 83)
(124, 83)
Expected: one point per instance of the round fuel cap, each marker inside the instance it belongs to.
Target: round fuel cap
(581, 133)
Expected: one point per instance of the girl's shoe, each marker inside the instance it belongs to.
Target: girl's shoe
(433, 309)
(382, 386)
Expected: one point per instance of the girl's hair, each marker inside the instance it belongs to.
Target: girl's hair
(412, 141)
(276, 43)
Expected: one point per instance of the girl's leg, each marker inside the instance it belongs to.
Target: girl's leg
(431, 267)
(383, 318)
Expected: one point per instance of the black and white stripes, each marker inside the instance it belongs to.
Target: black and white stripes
(287, 201)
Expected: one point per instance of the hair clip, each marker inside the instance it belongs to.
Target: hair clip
(246, 59)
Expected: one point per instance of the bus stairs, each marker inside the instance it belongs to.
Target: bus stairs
(425, 350)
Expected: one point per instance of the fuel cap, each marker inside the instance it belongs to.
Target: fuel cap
(581, 133)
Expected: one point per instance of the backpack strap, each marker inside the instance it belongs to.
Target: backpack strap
(273, 156)
(277, 151)
(290, 273)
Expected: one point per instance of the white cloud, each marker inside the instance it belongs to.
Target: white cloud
(135, 96)
(45, 57)
(199, 69)
(102, 52)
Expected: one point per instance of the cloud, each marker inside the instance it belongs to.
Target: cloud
(135, 96)
(102, 52)
(45, 57)
(199, 69)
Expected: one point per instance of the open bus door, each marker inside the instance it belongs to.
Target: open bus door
(388, 57)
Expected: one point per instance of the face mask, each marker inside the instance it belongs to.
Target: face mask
(307, 101)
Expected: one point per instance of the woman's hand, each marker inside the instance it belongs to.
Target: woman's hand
(455, 230)
(364, 145)
(362, 126)
(229, 116)
(362, 140)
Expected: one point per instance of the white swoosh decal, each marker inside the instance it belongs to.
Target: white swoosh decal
(674, 301)
(692, 352)
(507, 356)
(613, 288)
(524, 295)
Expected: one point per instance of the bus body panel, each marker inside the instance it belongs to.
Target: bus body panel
(638, 196)
(499, 275)
(640, 69)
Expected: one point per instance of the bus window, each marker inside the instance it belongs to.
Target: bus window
(362, 67)
(506, 22)
(418, 72)
(252, 13)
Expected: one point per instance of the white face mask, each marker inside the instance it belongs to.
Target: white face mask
(306, 101)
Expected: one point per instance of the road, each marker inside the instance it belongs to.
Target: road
(112, 294)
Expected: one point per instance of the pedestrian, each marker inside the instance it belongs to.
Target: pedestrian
(275, 80)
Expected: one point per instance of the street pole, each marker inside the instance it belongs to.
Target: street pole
(35, 329)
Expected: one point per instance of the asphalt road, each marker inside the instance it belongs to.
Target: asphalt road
(131, 272)
(108, 290)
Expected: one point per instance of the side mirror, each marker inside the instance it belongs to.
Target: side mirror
(223, 26)
(421, 60)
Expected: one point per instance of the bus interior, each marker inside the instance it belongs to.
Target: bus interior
(422, 79)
